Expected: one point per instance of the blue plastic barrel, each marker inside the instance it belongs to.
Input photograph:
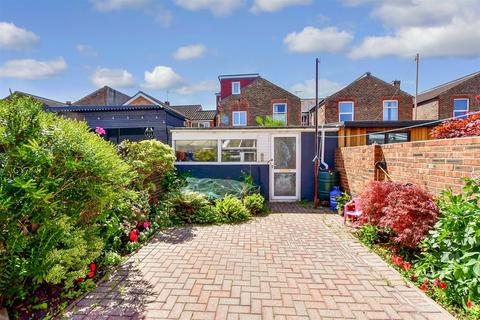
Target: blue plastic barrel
(333, 197)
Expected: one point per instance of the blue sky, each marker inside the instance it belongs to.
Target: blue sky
(66, 49)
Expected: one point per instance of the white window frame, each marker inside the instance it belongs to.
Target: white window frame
(233, 87)
(285, 113)
(392, 100)
(239, 124)
(467, 110)
(351, 113)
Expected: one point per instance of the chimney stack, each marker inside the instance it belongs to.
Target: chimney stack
(69, 103)
(396, 84)
(167, 103)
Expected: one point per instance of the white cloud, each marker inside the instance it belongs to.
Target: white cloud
(13, 37)
(306, 89)
(149, 7)
(202, 86)
(86, 50)
(112, 77)
(275, 5)
(111, 5)
(311, 39)
(30, 69)
(162, 77)
(217, 7)
(189, 52)
(430, 27)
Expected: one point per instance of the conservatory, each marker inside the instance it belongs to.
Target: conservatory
(279, 159)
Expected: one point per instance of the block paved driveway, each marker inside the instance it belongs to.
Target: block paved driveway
(284, 266)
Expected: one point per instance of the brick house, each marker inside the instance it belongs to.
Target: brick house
(196, 116)
(244, 97)
(452, 99)
(366, 98)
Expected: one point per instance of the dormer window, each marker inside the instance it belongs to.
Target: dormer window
(236, 87)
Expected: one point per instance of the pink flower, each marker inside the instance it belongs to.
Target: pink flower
(407, 266)
(146, 224)
(100, 131)
(436, 282)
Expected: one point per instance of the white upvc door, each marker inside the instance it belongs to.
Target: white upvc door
(285, 167)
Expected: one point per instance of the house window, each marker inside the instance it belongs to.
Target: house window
(239, 118)
(239, 150)
(460, 107)
(196, 150)
(305, 119)
(118, 135)
(390, 110)
(236, 87)
(280, 112)
(345, 111)
(389, 137)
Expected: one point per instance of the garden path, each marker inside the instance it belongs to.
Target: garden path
(283, 266)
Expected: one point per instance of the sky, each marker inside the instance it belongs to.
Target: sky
(176, 49)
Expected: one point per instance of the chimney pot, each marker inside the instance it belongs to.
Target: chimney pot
(167, 103)
(69, 103)
(396, 84)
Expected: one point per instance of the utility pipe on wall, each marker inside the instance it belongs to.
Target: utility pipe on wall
(322, 154)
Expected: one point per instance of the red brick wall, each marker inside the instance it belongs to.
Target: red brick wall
(368, 94)
(435, 165)
(258, 99)
(468, 89)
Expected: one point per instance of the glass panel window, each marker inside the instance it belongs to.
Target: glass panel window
(390, 110)
(239, 118)
(285, 156)
(280, 112)
(196, 150)
(397, 137)
(460, 108)
(239, 150)
(284, 184)
(345, 111)
(235, 87)
(378, 138)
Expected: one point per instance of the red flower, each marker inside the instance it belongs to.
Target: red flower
(413, 276)
(443, 285)
(79, 279)
(469, 304)
(133, 236)
(397, 260)
(426, 281)
(146, 224)
(91, 274)
(436, 282)
(93, 267)
(407, 266)
(423, 287)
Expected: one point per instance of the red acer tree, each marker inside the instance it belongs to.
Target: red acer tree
(458, 128)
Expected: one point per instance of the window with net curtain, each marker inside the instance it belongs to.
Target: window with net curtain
(390, 110)
(239, 150)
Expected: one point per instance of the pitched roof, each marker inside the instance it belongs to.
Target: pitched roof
(438, 90)
(104, 96)
(45, 101)
(195, 112)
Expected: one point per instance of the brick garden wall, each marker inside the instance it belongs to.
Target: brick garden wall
(435, 165)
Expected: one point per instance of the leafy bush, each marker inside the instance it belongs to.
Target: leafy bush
(231, 209)
(452, 249)
(151, 159)
(458, 128)
(342, 200)
(58, 184)
(255, 203)
(407, 210)
(368, 234)
(112, 258)
(269, 122)
(187, 204)
(206, 215)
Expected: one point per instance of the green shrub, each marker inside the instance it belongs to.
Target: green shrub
(231, 209)
(255, 203)
(152, 161)
(59, 183)
(206, 215)
(370, 234)
(452, 249)
(342, 200)
(186, 204)
(112, 259)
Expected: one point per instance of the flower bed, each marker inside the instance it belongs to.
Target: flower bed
(72, 204)
(436, 246)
